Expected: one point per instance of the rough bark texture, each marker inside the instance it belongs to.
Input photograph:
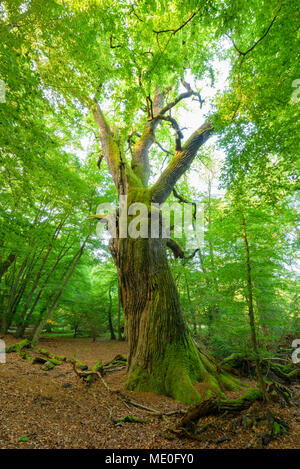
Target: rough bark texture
(163, 357)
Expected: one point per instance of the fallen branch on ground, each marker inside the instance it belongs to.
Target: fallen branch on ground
(214, 406)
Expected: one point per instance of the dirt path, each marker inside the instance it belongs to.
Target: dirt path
(55, 409)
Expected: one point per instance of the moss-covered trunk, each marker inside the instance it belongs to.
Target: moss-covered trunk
(163, 357)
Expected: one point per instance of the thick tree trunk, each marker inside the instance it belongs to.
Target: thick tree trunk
(163, 357)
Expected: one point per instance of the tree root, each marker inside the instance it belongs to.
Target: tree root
(94, 375)
(48, 363)
(89, 376)
(271, 369)
(118, 363)
(52, 356)
(18, 346)
(187, 427)
(214, 406)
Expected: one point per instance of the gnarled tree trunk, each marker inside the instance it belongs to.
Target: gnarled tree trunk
(163, 357)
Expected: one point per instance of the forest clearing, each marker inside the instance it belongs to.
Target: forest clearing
(149, 235)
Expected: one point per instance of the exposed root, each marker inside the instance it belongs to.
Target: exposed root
(127, 400)
(271, 369)
(118, 363)
(18, 346)
(214, 406)
(52, 356)
(185, 372)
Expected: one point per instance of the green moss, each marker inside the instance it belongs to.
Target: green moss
(97, 365)
(294, 374)
(48, 366)
(278, 428)
(46, 360)
(25, 356)
(177, 372)
(52, 356)
(18, 346)
(130, 419)
(229, 382)
(214, 386)
(251, 395)
(54, 361)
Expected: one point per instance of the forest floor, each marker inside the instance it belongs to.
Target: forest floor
(56, 409)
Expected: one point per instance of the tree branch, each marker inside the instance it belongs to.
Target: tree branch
(175, 248)
(156, 113)
(140, 159)
(182, 160)
(174, 31)
(258, 41)
(184, 201)
(176, 127)
(111, 151)
(185, 95)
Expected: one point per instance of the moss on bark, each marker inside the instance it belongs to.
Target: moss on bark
(18, 346)
(178, 372)
(163, 358)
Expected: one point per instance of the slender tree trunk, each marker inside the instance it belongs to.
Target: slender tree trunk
(22, 322)
(25, 315)
(251, 312)
(38, 330)
(110, 324)
(6, 264)
(192, 309)
(5, 317)
(119, 314)
(213, 308)
(61, 255)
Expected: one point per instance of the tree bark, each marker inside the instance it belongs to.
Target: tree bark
(4, 266)
(109, 317)
(251, 312)
(119, 315)
(163, 358)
